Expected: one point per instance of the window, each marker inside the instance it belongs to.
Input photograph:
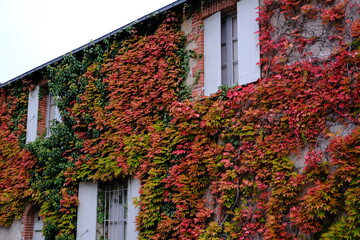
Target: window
(107, 210)
(52, 113)
(115, 211)
(42, 113)
(231, 49)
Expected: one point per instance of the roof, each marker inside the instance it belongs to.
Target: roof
(161, 10)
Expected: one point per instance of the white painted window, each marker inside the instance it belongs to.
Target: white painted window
(52, 113)
(231, 47)
(229, 51)
(115, 211)
(106, 210)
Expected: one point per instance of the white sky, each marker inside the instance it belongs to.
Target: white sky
(33, 32)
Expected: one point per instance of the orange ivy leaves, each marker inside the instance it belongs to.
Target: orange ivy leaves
(15, 161)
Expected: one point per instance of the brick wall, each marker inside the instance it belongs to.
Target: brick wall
(13, 232)
(43, 104)
(217, 5)
(28, 222)
(195, 35)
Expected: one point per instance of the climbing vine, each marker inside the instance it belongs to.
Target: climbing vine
(275, 159)
(15, 160)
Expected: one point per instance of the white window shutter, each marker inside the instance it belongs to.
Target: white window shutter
(87, 211)
(212, 53)
(248, 40)
(133, 192)
(32, 115)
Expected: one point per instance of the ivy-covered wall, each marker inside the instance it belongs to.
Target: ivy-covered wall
(276, 159)
(15, 160)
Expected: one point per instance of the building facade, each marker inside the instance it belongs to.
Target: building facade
(217, 119)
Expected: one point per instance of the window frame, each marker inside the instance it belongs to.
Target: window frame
(248, 46)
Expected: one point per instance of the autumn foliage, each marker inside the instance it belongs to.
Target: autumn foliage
(275, 159)
(15, 161)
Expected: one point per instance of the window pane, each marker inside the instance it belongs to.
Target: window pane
(223, 76)
(234, 27)
(235, 50)
(51, 113)
(115, 211)
(223, 32)
(229, 50)
(235, 74)
(223, 55)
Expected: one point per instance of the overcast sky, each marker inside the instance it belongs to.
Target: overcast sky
(34, 32)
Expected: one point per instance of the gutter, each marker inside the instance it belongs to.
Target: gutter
(161, 10)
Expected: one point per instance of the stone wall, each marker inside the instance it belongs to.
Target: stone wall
(13, 232)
